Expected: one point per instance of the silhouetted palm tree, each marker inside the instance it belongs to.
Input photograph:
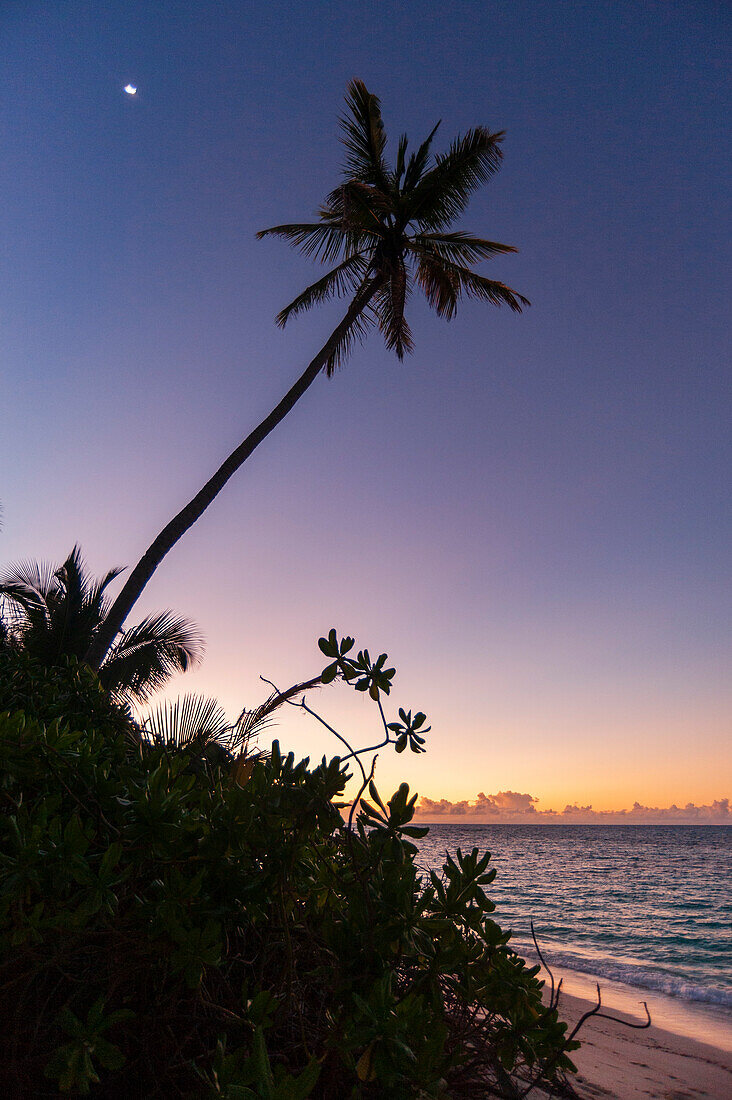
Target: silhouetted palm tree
(52, 613)
(388, 229)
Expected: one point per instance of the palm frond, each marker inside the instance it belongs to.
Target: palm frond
(75, 609)
(28, 592)
(188, 720)
(418, 162)
(389, 307)
(460, 247)
(21, 594)
(441, 289)
(22, 611)
(35, 577)
(71, 574)
(444, 192)
(251, 723)
(488, 290)
(346, 277)
(95, 599)
(144, 657)
(355, 333)
(400, 165)
(358, 208)
(444, 283)
(323, 241)
(364, 136)
(247, 728)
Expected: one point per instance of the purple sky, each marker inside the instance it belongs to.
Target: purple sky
(531, 514)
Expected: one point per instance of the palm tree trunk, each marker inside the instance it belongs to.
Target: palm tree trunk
(195, 508)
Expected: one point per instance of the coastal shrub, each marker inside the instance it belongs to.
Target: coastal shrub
(170, 930)
(67, 690)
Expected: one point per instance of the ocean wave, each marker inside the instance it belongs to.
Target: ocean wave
(627, 972)
(647, 908)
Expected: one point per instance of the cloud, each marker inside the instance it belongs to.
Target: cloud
(485, 805)
(510, 807)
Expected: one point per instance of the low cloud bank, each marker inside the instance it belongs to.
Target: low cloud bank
(510, 807)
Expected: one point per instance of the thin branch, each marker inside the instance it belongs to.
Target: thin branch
(352, 752)
(349, 841)
(596, 1012)
(303, 705)
(383, 719)
(357, 752)
(605, 1016)
(546, 966)
(281, 697)
(366, 780)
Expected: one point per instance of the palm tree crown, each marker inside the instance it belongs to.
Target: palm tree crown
(388, 228)
(52, 613)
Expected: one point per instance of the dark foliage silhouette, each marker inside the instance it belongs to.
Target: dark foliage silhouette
(170, 920)
(54, 612)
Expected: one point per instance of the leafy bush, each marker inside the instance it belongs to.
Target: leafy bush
(172, 930)
(67, 690)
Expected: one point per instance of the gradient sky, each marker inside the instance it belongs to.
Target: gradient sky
(532, 513)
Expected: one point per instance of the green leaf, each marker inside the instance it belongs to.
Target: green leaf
(260, 1058)
(375, 795)
(301, 1087)
(108, 1055)
(326, 647)
(329, 674)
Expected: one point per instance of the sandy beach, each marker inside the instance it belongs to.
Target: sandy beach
(637, 1065)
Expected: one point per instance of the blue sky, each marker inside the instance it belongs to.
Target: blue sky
(531, 514)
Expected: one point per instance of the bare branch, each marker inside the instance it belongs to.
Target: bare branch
(605, 1016)
(544, 963)
(286, 697)
(366, 780)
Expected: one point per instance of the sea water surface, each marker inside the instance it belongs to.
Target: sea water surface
(642, 907)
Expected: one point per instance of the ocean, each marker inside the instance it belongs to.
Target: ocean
(643, 908)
